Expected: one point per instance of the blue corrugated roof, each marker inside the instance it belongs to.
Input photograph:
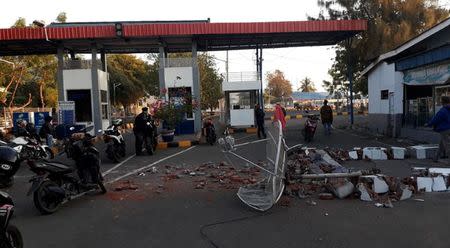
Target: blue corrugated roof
(299, 96)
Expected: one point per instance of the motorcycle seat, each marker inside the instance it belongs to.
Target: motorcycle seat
(58, 167)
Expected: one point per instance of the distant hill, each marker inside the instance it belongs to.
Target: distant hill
(302, 96)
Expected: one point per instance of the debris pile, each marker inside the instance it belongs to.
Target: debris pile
(210, 175)
(312, 172)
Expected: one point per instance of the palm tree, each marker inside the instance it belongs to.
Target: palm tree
(306, 85)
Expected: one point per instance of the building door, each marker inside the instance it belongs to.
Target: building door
(391, 118)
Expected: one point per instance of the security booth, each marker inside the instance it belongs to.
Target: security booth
(78, 88)
(242, 92)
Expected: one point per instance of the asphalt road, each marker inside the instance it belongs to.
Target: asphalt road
(171, 213)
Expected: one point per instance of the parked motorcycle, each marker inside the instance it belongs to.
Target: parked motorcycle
(30, 148)
(151, 137)
(210, 133)
(310, 127)
(10, 236)
(9, 164)
(115, 143)
(55, 183)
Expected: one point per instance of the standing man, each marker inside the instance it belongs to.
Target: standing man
(46, 132)
(259, 116)
(326, 114)
(441, 124)
(140, 129)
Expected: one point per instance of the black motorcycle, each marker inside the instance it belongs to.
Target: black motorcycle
(115, 143)
(55, 183)
(210, 134)
(9, 165)
(10, 236)
(151, 137)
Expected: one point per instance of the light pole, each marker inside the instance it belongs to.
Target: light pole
(348, 44)
(115, 85)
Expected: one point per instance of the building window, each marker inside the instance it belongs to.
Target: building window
(384, 94)
(240, 100)
(104, 96)
(83, 108)
(104, 111)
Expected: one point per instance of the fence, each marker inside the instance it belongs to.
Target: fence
(244, 76)
(80, 64)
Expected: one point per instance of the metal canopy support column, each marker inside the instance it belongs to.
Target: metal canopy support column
(350, 77)
(97, 115)
(162, 62)
(59, 74)
(105, 69)
(259, 74)
(196, 89)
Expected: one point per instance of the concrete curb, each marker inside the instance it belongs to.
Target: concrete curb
(174, 144)
(243, 130)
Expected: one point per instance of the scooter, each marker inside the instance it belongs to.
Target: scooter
(115, 143)
(210, 133)
(310, 127)
(55, 184)
(10, 236)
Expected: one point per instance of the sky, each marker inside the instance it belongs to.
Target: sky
(296, 63)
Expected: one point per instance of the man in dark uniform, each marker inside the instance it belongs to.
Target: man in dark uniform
(140, 129)
(259, 116)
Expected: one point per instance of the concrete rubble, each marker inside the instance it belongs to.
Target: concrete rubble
(316, 173)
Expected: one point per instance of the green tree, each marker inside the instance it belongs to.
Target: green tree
(278, 86)
(62, 17)
(134, 76)
(390, 23)
(306, 85)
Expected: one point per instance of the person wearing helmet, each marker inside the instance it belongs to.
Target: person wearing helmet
(140, 129)
(46, 132)
(21, 130)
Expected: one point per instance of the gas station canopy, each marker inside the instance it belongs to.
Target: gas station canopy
(174, 36)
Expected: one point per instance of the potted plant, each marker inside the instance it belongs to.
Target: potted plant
(172, 113)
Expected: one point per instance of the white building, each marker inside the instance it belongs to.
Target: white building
(405, 84)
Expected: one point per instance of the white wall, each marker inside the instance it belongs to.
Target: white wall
(103, 80)
(80, 79)
(171, 74)
(236, 86)
(384, 77)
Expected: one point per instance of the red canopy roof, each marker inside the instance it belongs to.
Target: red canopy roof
(175, 36)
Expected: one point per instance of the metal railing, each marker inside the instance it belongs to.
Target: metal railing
(179, 62)
(81, 64)
(244, 76)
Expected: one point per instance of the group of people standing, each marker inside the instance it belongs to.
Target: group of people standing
(326, 115)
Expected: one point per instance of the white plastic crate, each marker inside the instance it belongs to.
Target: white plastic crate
(423, 151)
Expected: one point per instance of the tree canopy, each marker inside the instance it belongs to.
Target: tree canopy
(390, 23)
(278, 86)
(306, 85)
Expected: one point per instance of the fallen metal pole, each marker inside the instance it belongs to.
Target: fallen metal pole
(256, 165)
(328, 175)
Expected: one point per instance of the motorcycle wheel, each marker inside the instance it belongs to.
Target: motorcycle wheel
(6, 182)
(14, 237)
(113, 153)
(43, 199)
(48, 154)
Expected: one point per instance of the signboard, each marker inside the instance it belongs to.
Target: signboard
(435, 74)
(20, 115)
(39, 119)
(66, 114)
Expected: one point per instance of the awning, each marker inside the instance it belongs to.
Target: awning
(430, 75)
